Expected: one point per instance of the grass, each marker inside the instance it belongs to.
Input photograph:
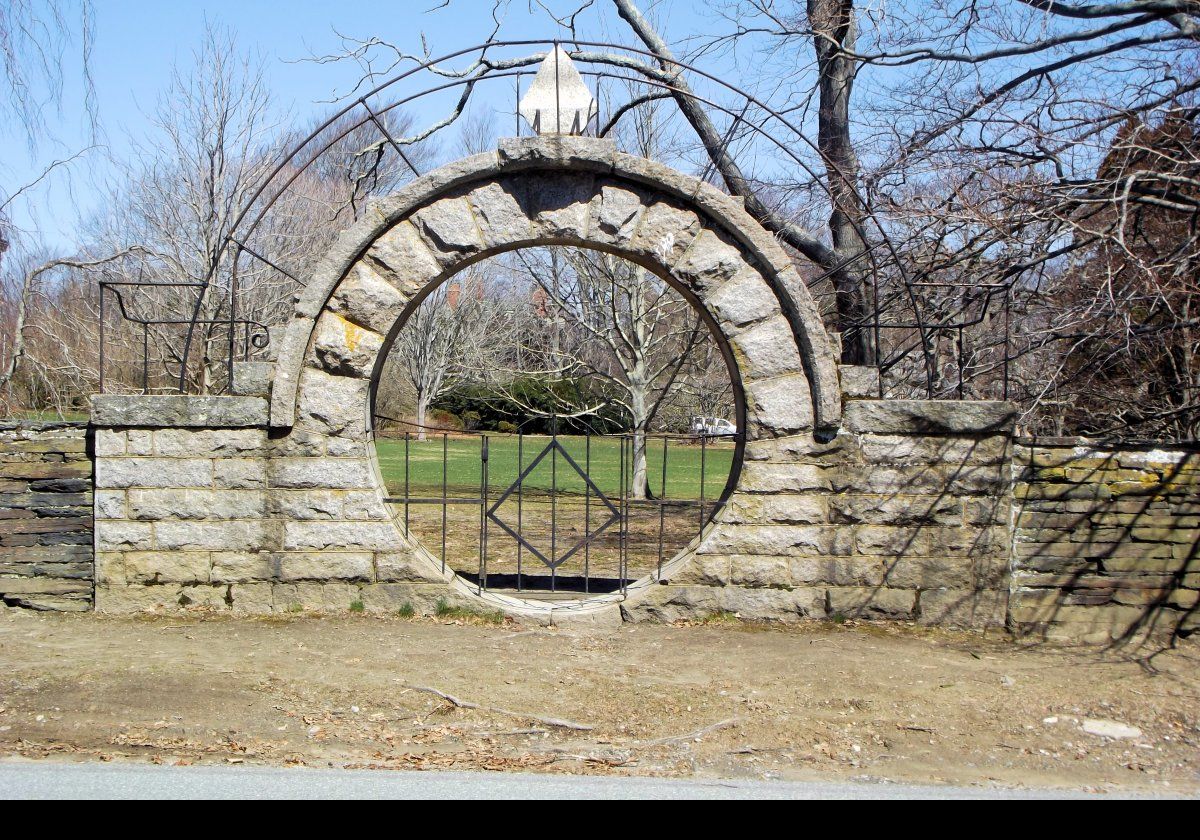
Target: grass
(33, 414)
(446, 610)
(463, 465)
(406, 610)
(356, 606)
(719, 617)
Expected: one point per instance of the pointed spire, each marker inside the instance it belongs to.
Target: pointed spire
(558, 101)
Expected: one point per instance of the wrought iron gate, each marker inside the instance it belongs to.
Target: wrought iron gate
(560, 515)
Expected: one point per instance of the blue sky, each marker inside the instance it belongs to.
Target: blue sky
(138, 41)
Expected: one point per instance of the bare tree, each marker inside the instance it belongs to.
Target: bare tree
(34, 40)
(35, 36)
(457, 335)
(612, 322)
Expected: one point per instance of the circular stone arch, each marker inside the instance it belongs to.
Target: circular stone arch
(535, 192)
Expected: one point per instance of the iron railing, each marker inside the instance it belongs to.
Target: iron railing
(560, 514)
(898, 308)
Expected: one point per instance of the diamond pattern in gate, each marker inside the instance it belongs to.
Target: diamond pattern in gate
(515, 533)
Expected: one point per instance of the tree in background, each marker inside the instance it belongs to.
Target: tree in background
(457, 336)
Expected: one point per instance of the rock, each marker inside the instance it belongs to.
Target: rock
(767, 349)
(252, 379)
(367, 300)
(1110, 729)
(501, 218)
(403, 259)
(345, 349)
(859, 381)
(160, 411)
(935, 417)
(616, 214)
(449, 229)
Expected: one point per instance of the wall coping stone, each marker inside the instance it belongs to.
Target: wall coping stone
(157, 411)
(1101, 443)
(41, 425)
(929, 417)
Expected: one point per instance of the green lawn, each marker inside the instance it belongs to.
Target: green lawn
(463, 465)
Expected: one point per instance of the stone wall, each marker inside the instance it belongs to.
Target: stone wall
(903, 515)
(1107, 540)
(45, 516)
(198, 505)
(846, 505)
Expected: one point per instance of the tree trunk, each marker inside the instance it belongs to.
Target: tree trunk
(852, 308)
(833, 28)
(639, 489)
(422, 410)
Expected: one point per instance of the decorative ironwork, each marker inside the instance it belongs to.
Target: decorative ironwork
(555, 560)
(898, 307)
(623, 537)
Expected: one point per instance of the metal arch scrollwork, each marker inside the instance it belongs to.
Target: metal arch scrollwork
(899, 304)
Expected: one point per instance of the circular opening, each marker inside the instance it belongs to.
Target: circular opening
(556, 421)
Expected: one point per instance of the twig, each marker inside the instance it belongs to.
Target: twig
(691, 736)
(557, 723)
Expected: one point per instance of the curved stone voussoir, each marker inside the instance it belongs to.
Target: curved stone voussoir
(816, 348)
(449, 229)
(344, 348)
(332, 405)
(665, 231)
(366, 299)
(590, 154)
(557, 204)
(617, 211)
(502, 220)
(710, 262)
(744, 300)
(401, 257)
(783, 405)
(758, 351)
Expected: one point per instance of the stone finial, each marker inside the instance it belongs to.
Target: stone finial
(558, 101)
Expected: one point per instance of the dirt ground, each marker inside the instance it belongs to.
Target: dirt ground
(814, 701)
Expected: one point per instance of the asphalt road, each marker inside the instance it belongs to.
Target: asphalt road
(50, 780)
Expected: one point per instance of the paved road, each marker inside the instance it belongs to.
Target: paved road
(49, 780)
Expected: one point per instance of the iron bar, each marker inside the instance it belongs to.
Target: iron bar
(483, 494)
(102, 348)
(435, 500)
(145, 358)
(626, 465)
(253, 211)
(520, 502)
(703, 453)
(445, 453)
(554, 497)
(378, 124)
(587, 512)
(244, 247)
(233, 300)
(662, 508)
